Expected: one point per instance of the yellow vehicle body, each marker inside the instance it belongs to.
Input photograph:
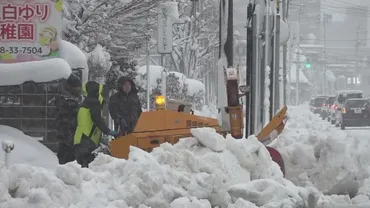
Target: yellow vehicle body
(156, 127)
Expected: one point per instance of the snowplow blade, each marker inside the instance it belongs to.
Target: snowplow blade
(276, 123)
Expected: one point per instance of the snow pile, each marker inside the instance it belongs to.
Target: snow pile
(204, 171)
(336, 162)
(37, 71)
(27, 150)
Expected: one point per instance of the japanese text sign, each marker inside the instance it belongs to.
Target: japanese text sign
(165, 22)
(29, 29)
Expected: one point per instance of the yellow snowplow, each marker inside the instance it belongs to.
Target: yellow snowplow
(173, 120)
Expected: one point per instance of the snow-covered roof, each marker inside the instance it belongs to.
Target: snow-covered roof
(75, 57)
(195, 86)
(302, 77)
(37, 71)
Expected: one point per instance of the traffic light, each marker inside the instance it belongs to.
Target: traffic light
(308, 63)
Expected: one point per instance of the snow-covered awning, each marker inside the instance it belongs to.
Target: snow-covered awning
(37, 71)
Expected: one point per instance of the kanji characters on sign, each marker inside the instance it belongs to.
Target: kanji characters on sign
(17, 21)
(17, 31)
(24, 12)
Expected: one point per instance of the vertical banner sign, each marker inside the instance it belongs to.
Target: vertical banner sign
(29, 30)
(165, 22)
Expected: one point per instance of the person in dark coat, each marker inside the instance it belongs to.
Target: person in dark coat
(90, 124)
(124, 106)
(67, 105)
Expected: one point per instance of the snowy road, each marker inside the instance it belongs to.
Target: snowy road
(318, 154)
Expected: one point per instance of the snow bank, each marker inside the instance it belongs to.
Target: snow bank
(204, 171)
(27, 150)
(195, 86)
(37, 71)
(75, 57)
(336, 162)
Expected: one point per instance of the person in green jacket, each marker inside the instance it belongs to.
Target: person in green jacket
(90, 124)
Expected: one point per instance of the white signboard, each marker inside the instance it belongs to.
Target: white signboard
(165, 22)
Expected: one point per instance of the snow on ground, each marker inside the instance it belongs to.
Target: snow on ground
(27, 149)
(319, 155)
(203, 171)
(207, 171)
(37, 71)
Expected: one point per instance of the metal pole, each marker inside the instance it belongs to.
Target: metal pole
(147, 69)
(357, 46)
(253, 95)
(248, 72)
(298, 64)
(229, 45)
(277, 93)
(266, 61)
(324, 77)
(285, 51)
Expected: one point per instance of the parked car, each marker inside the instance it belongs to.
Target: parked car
(325, 109)
(355, 112)
(317, 104)
(340, 99)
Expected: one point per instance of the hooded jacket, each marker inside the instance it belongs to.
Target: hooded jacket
(124, 105)
(90, 123)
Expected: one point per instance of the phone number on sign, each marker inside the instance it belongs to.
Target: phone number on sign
(16, 50)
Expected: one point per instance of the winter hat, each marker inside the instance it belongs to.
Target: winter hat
(74, 81)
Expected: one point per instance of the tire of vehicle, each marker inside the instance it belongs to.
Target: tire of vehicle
(323, 117)
(342, 126)
(332, 121)
(337, 125)
(328, 119)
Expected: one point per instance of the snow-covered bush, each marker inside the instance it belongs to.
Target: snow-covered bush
(120, 68)
(175, 89)
(99, 63)
(197, 100)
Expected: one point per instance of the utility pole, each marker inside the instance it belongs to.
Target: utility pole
(275, 82)
(284, 12)
(148, 87)
(267, 39)
(298, 64)
(327, 18)
(357, 46)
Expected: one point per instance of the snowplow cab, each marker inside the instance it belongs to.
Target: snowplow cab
(171, 121)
